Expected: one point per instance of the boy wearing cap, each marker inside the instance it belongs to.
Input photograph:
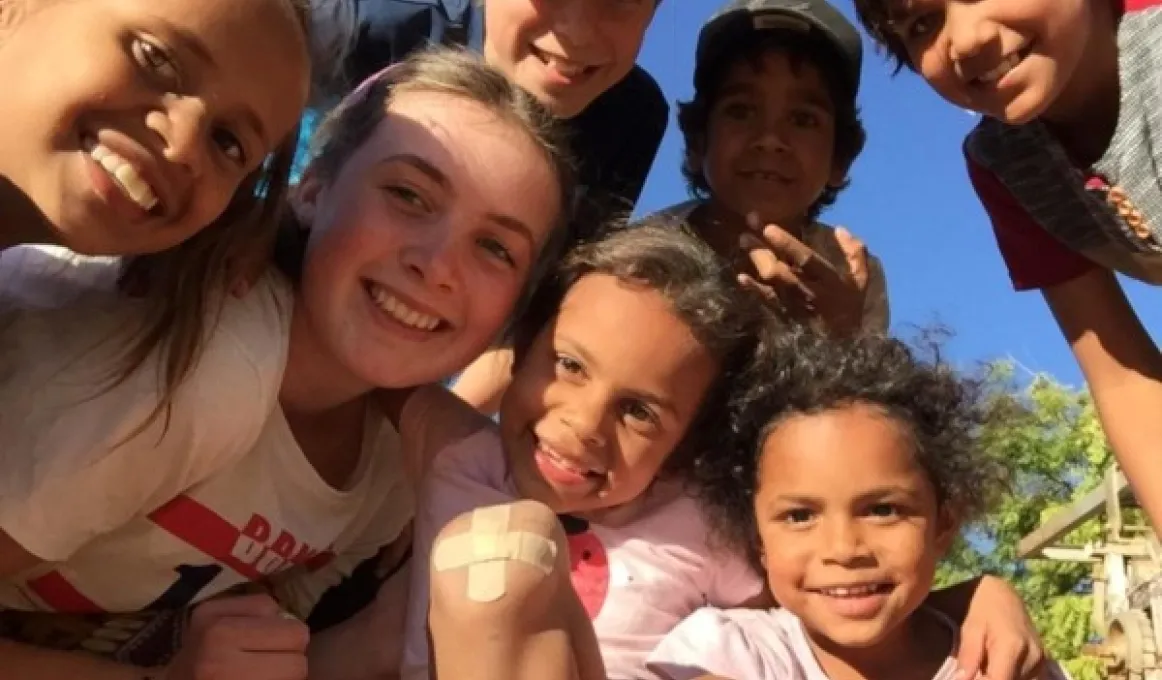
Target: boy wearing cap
(1066, 164)
(770, 135)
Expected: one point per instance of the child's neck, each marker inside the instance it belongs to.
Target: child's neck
(313, 382)
(913, 651)
(721, 227)
(325, 413)
(1085, 115)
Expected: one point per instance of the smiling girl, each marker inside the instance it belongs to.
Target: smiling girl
(403, 261)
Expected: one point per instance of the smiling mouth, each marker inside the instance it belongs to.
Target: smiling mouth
(569, 465)
(399, 310)
(765, 176)
(855, 591)
(1002, 69)
(125, 176)
(566, 67)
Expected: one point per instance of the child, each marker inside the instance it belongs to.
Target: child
(404, 261)
(126, 138)
(576, 56)
(1065, 166)
(849, 556)
(770, 135)
(616, 407)
(613, 404)
(162, 130)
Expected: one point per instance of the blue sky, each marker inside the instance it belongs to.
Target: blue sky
(910, 201)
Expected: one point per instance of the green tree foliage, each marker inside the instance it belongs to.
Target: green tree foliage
(1050, 438)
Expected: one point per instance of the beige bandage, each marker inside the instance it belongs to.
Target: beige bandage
(485, 548)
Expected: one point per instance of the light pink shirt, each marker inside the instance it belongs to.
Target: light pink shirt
(637, 581)
(754, 644)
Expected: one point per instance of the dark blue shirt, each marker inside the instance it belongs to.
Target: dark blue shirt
(615, 139)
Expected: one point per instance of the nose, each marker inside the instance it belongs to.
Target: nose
(183, 126)
(845, 544)
(430, 259)
(585, 418)
(574, 22)
(968, 33)
(770, 137)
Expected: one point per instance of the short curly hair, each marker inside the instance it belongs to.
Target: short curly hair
(664, 255)
(694, 115)
(803, 372)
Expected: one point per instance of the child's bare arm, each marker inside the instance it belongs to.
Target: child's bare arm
(1124, 370)
(241, 637)
(483, 383)
(429, 418)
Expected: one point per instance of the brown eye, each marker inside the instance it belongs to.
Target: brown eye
(154, 59)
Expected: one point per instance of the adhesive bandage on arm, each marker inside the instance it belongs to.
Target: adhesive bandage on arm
(486, 547)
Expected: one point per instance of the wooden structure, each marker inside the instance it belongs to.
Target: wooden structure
(1127, 577)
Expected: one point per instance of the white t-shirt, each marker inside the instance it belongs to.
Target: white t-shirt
(215, 494)
(753, 644)
(764, 645)
(637, 581)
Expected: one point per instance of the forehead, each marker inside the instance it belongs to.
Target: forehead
(632, 331)
(253, 51)
(486, 159)
(776, 71)
(804, 450)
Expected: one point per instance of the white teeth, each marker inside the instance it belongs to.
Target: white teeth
(851, 591)
(125, 176)
(1002, 69)
(562, 462)
(401, 312)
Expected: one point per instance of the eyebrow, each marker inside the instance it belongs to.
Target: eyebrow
(191, 43)
(648, 397)
(870, 495)
(433, 173)
(807, 95)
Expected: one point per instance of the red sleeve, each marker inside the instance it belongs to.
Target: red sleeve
(1034, 257)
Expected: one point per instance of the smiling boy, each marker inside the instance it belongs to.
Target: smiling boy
(1065, 162)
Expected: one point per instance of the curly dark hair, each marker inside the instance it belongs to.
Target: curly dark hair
(694, 115)
(802, 372)
(664, 255)
(876, 18)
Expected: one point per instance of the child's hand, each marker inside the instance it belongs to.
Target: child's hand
(241, 637)
(804, 285)
(998, 639)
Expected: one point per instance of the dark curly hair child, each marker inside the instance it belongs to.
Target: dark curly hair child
(856, 464)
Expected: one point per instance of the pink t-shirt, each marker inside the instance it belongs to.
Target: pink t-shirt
(637, 581)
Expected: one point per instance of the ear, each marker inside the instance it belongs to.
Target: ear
(838, 175)
(695, 153)
(305, 196)
(947, 528)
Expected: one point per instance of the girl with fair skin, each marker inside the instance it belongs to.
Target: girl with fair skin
(403, 261)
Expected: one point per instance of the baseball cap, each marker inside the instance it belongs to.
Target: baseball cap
(815, 18)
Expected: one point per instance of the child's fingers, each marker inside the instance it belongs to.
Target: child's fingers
(970, 655)
(855, 253)
(771, 269)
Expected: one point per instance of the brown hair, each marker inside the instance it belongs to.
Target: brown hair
(663, 254)
(182, 289)
(876, 18)
(447, 70)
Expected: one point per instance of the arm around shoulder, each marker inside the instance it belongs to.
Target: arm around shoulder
(1123, 367)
